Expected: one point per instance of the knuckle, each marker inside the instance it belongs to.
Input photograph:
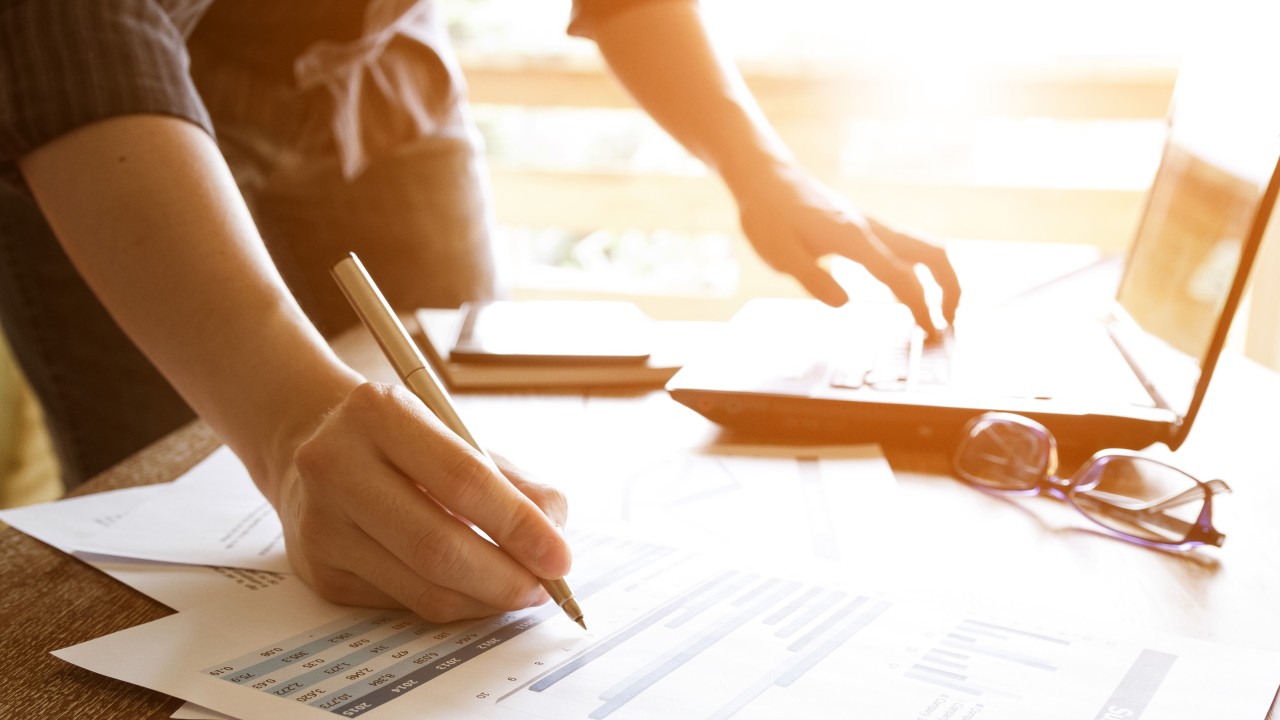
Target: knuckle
(368, 392)
(514, 596)
(467, 475)
(368, 399)
(336, 587)
(436, 605)
(312, 458)
(308, 530)
(435, 555)
(526, 529)
(555, 504)
(328, 587)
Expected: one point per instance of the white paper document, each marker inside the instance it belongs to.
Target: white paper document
(69, 524)
(213, 515)
(822, 502)
(674, 635)
(65, 524)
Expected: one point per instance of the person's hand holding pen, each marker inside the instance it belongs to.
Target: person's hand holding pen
(368, 484)
(373, 515)
(521, 525)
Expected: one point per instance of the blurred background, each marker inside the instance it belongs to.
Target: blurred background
(994, 121)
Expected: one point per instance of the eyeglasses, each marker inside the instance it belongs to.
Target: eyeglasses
(1137, 498)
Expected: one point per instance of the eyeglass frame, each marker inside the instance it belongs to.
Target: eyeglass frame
(1062, 488)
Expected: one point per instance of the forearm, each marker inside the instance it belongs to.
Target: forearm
(663, 56)
(147, 211)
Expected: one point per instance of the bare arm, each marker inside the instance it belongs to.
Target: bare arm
(150, 216)
(662, 54)
(146, 209)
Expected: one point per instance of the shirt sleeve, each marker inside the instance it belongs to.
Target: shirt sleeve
(68, 63)
(587, 14)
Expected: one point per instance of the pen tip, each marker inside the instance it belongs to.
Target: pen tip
(581, 622)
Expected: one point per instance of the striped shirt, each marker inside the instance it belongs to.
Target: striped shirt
(68, 63)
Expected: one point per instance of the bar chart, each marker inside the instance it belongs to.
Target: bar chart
(980, 658)
(711, 650)
(679, 635)
(363, 661)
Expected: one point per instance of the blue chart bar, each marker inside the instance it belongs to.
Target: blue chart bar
(980, 658)
(835, 637)
(824, 603)
(972, 646)
(626, 690)
(1139, 685)
(693, 610)
(409, 673)
(822, 630)
(785, 611)
(943, 658)
(367, 659)
(337, 647)
(973, 625)
(834, 632)
(653, 618)
(619, 572)
(815, 623)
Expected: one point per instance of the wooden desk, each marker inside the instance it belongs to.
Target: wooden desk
(946, 541)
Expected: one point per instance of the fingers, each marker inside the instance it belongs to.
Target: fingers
(794, 238)
(899, 277)
(855, 239)
(788, 254)
(384, 581)
(465, 482)
(932, 256)
(430, 544)
(372, 515)
(548, 498)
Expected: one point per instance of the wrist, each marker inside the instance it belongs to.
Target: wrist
(765, 178)
(309, 402)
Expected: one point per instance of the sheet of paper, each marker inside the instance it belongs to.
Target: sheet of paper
(234, 527)
(68, 524)
(191, 711)
(821, 502)
(668, 496)
(65, 524)
(674, 635)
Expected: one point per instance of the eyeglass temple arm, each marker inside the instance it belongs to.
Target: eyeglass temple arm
(1215, 487)
(1120, 502)
(1152, 514)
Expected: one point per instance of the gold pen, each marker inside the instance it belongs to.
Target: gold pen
(417, 374)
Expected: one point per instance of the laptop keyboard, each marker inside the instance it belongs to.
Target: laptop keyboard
(907, 362)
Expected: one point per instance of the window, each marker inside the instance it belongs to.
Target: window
(986, 119)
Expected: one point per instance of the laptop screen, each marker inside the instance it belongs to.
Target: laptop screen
(1202, 210)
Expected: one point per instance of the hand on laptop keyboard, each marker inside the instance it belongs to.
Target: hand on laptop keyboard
(909, 360)
(797, 223)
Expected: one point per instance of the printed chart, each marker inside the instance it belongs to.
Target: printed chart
(365, 660)
(675, 636)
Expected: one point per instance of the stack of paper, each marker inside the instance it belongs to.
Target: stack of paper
(673, 633)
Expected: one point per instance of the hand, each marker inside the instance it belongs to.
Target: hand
(372, 513)
(796, 221)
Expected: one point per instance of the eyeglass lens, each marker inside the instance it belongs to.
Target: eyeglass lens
(1005, 456)
(1141, 497)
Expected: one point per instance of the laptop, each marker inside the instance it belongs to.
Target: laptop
(1130, 376)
